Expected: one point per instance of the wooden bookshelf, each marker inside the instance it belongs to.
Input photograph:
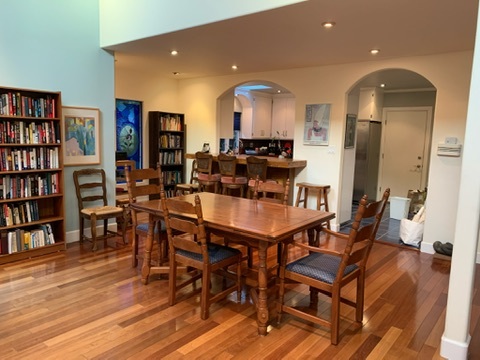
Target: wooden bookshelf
(167, 146)
(32, 216)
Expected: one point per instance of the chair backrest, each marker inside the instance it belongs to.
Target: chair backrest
(143, 182)
(256, 167)
(204, 162)
(177, 227)
(194, 172)
(271, 191)
(227, 165)
(90, 186)
(363, 232)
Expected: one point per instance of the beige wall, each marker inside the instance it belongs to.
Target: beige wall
(450, 74)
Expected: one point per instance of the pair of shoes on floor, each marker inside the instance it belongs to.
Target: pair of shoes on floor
(444, 249)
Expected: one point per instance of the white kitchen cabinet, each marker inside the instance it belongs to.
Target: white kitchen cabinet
(283, 117)
(262, 117)
(370, 104)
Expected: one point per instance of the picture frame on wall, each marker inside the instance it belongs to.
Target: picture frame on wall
(350, 131)
(317, 124)
(128, 114)
(81, 135)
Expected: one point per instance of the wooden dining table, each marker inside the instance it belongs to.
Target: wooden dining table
(255, 223)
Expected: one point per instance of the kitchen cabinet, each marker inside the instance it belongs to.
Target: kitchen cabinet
(262, 117)
(283, 117)
(370, 104)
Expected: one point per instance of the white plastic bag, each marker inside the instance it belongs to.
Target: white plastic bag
(411, 232)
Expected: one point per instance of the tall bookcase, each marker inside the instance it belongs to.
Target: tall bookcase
(31, 174)
(167, 146)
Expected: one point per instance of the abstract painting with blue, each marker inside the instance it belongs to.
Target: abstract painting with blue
(129, 129)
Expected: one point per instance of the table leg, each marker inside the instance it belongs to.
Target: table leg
(148, 250)
(262, 306)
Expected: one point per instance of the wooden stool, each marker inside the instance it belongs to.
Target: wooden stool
(322, 192)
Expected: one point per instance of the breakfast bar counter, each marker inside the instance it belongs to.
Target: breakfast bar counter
(277, 168)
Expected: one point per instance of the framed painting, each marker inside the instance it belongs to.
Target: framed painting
(128, 115)
(317, 124)
(81, 135)
(350, 129)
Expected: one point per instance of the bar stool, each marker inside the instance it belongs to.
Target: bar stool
(206, 178)
(322, 191)
(229, 178)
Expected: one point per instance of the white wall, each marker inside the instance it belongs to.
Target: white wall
(155, 93)
(127, 20)
(55, 47)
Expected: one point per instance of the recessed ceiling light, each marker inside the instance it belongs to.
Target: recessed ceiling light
(382, 85)
(176, 73)
(174, 52)
(234, 67)
(374, 51)
(328, 24)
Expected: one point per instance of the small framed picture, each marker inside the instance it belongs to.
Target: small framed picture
(81, 136)
(350, 130)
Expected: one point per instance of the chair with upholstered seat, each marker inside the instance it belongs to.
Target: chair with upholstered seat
(190, 187)
(91, 190)
(272, 192)
(229, 178)
(206, 178)
(256, 167)
(327, 270)
(145, 183)
(188, 245)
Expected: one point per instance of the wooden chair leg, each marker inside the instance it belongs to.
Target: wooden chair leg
(134, 249)
(93, 227)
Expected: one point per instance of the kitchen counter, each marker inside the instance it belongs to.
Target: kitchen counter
(273, 162)
(277, 168)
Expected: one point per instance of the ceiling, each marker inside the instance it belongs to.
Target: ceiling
(292, 37)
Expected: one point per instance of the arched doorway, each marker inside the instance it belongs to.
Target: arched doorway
(390, 120)
(253, 113)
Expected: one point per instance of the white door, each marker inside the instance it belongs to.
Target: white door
(405, 147)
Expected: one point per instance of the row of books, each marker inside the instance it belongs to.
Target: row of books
(12, 159)
(20, 132)
(171, 157)
(171, 122)
(170, 141)
(21, 186)
(16, 104)
(19, 213)
(21, 240)
(172, 177)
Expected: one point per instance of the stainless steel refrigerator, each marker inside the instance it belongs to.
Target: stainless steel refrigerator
(367, 159)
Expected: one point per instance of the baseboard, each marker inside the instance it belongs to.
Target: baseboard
(455, 350)
(74, 236)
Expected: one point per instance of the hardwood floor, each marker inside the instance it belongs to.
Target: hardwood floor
(83, 305)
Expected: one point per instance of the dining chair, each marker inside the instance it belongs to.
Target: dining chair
(121, 193)
(271, 191)
(190, 187)
(206, 178)
(188, 245)
(328, 270)
(143, 184)
(229, 178)
(91, 190)
(256, 167)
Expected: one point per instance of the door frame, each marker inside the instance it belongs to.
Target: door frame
(427, 144)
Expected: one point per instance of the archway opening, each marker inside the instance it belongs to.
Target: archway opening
(256, 118)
